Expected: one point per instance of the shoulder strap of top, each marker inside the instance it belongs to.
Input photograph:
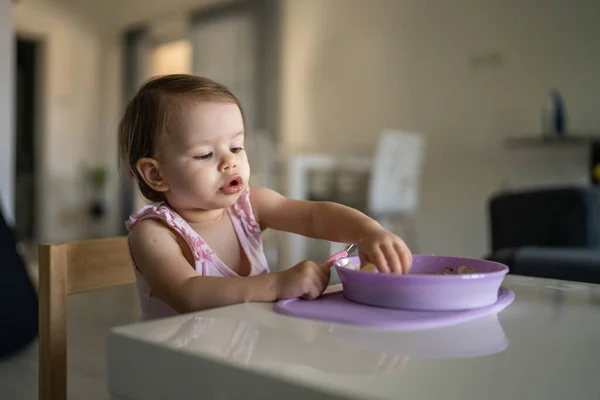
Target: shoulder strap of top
(242, 209)
(201, 250)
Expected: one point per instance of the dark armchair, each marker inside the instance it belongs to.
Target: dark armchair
(549, 233)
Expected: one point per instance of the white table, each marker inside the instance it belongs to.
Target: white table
(546, 345)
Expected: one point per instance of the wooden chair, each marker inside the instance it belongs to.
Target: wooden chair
(65, 269)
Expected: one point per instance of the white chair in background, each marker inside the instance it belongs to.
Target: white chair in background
(392, 192)
(394, 185)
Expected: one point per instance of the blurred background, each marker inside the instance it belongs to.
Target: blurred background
(318, 80)
(418, 112)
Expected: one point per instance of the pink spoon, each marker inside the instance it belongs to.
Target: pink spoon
(351, 248)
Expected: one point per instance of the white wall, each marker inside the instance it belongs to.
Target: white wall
(352, 68)
(82, 100)
(172, 58)
(168, 58)
(69, 136)
(167, 22)
(119, 14)
(7, 143)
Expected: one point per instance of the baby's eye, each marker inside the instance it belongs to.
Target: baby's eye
(236, 150)
(204, 157)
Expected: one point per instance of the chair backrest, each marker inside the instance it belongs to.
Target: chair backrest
(65, 269)
(396, 173)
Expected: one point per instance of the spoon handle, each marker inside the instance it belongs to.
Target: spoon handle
(351, 248)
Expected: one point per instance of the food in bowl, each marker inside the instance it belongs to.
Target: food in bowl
(367, 268)
(463, 269)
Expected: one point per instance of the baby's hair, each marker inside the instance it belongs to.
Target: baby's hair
(149, 116)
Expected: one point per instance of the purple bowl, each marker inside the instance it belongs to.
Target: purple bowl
(421, 289)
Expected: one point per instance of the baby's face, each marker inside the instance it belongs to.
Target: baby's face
(204, 162)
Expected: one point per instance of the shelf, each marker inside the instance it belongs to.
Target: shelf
(538, 140)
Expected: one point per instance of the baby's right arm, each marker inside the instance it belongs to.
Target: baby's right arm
(163, 263)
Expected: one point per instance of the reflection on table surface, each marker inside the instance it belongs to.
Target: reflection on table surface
(258, 343)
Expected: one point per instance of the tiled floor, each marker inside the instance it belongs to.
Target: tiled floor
(90, 316)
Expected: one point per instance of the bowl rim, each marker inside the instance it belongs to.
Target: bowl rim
(503, 270)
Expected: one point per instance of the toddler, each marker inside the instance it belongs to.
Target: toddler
(199, 246)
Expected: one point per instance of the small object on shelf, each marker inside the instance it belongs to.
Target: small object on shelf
(595, 162)
(554, 115)
(596, 174)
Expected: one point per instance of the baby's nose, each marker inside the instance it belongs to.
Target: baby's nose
(228, 162)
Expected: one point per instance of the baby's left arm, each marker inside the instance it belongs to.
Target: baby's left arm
(333, 222)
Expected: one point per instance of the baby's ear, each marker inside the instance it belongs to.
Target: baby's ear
(149, 170)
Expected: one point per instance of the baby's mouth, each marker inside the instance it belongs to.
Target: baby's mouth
(232, 185)
(233, 181)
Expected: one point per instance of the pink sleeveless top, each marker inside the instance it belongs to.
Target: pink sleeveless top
(206, 261)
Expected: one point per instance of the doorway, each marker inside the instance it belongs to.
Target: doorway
(26, 88)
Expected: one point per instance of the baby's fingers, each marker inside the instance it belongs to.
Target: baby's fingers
(377, 257)
(405, 256)
(392, 258)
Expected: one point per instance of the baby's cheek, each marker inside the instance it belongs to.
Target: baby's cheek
(190, 181)
(204, 179)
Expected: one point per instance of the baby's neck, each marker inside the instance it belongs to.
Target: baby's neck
(199, 216)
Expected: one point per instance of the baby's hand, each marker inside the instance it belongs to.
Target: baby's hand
(386, 251)
(306, 279)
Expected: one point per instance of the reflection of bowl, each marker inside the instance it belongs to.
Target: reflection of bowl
(422, 289)
(479, 337)
(256, 344)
